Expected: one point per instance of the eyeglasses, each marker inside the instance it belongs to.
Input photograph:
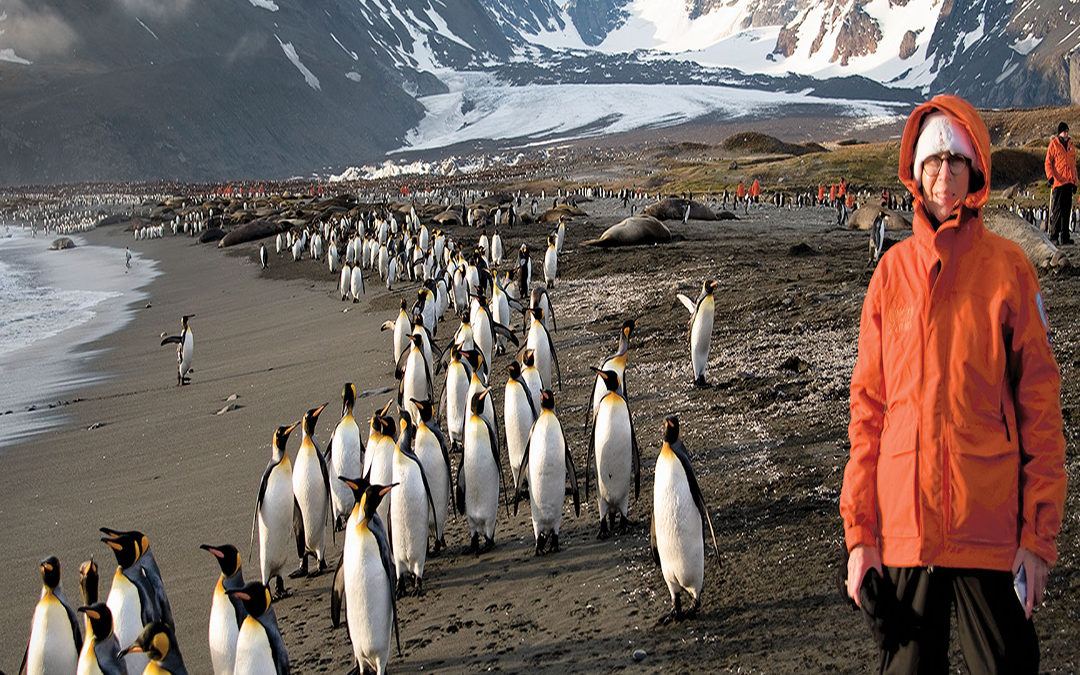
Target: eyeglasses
(957, 163)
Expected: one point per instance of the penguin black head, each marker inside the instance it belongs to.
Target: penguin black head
(418, 320)
(417, 341)
(256, 598)
(404, 305)
(88, 580)
(155, 640)
(126, 549)
(425, 408)
(228, 557)
(184, 319)
(465, 316)
(671, 429)
(537, 312)
(101, 623)
(610, 378)
(474, 357)
(348, 397)
(50, 571)
(385, 425)
(357, 485)
(476, 405)
(311, 417)
(528, 358)
(514, 369)
(405, 422)
(547, 400)
(710, 285)
(628, 327)
(372, 497)
(281, 436)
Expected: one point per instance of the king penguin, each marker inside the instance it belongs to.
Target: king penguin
(518, 417)
(157, 642)
(345, 281)
(548, 466)
(539, 340)
(185, 349)
(479, 476)
(260, 649)
(226, 613)
(55, 637)
(613, 446)
(615, 363)
(402, 327)
(430, 448)
(411, 507)
(701, 325)
(551, 262)
(677, 534)
(345, 453)
(379, 458)
(277, 515)
(455, 399)
(101, 650)
(311, 488)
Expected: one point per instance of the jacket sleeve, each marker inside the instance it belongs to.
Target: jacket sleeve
(1037, 389)
(858, 497)
(1048, 163)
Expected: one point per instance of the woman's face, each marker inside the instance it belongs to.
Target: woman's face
(945, 180)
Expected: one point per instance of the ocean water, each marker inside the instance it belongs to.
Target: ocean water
(52, 303)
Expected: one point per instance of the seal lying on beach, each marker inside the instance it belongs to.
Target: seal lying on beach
(863, 218)
(256, 229)
(631, 231)
(674, 208)
(61, 244)
(1039, 249)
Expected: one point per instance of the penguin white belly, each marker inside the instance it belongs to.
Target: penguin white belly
(532, 380)
(347, 459)
(276, 522)
(123, 602)
(482, 332)
(701, 336)
(356, 284)
(518, 418)
(52, 647)
(677, 521)
(551, 265)
(414, 383)
(481, 478)
(88, 664)
(223, 633)
(614, 457)
(253, 653)
(488, 412)
(310, 493)
(429, 452)
(402, 330)
(368, 605)
(187, 353)
(547, 475)
(345, 282)
(457, 390)
(380, 470)
(409, 513)
(600, 389)
(541, 346)
(500, 313)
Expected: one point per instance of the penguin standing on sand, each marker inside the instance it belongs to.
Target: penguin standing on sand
(613, 446)
(147, 564)
(539, 341)
(551, 262)
(226, 613)
(677, 535)
(479, 476)
(260, 649)
(615, 363)
(345, 453)
(129, 599)
(356, 284)
(430, 448)
(185, 349)
(411, 507)
(379, 458)
(402, 327)
(455, 400)
(518, 417)
(311, 488)
(367, 580)
(157, 642)
(530, 376)
(55, 637)
(548, 466)
(263, 257)
(277, 515)
(345, 281)
(101, 649)
(701, 326)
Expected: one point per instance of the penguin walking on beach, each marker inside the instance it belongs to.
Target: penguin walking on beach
(277, 515)
(367, 581)
(311, 488)
(130, 598)
(540, 299)
(551, 262)
(411, 507)
(55, 636)
(518, 418)
(539, 341)
(414, 377)
(530, 377)
(615, 363)
(479, 476)
(402, 327)
(345, 281)
(88, 588)
(548, 461)
(379, 457)
(613, 446)
(429, 446)
(263, 257)
(356, 284)
(260, 649)
(455, 400)
(156, 643)
(701, 326)
(101, 649)
(345, 454)
(227, 613)
(677, 534)
(185, 349)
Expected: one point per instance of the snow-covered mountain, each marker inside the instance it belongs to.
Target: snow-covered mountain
(198, 90)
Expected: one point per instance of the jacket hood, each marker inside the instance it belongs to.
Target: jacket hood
(964, 113)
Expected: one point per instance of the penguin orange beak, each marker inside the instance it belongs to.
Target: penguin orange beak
(132, 649)
(217, 553)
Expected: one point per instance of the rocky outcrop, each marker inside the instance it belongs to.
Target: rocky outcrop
(859, 35)
(907, 45)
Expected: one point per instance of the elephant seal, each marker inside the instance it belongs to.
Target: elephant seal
(1032, 241)
(256, 229)
(61, 244)
(863, 218)
(674, 208)
(632, 231)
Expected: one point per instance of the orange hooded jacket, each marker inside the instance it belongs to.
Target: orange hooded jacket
(1060, 162)
(957, 451)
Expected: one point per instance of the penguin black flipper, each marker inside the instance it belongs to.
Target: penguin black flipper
(172, 340)
(590, 454)
(652, 537)
(427, 487)
(277, 643)
(493, 439)
(504, 331)
(382, 538)
(635, 454)
(689, 304)
(329, 449)
(695, 491)
(73, 619)
(258, 505)
(437, 432)
(573, 474)
(459, 494)
(399, 366)
(521, 469)
(298, 529)
(337, 593)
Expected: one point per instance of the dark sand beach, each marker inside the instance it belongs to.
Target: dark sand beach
(768, 438)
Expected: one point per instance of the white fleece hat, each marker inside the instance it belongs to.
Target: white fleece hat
(941, 133)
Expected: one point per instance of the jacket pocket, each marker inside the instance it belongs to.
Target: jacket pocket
(896, 471)
(984, 487)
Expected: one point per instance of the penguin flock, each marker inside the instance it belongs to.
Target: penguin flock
(438, 449)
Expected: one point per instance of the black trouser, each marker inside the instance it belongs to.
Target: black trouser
(994, 634)
(1060, 210)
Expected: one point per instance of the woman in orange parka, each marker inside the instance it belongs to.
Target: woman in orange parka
(956, 478)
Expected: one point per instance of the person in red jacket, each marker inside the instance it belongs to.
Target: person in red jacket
(1061, 171)
(956, 478)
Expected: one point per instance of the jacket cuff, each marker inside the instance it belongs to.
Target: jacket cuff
(1047, 550)
(859, 535)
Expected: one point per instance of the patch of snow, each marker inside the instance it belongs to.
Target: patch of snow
(10, 56)
(1027, 45)
(147, 29)
(354, 76)
(975, 35)
(1006, 73)
(290, 52)
(265, 4)
(347, 51)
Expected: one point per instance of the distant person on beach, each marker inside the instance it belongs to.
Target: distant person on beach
(1061, 171)
(127, 257)
(954, 492)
